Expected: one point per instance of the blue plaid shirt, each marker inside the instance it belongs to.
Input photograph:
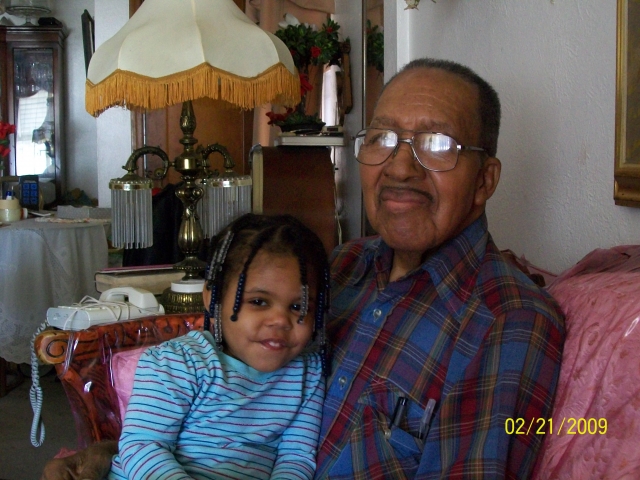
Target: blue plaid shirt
(466, 329)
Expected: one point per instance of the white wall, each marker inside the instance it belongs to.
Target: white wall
(348, 16)
(114, 125)
(95, 149)
(554, 65)
(80, 127)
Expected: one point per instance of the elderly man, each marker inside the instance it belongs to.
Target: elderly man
(438, 340)
(429, 310)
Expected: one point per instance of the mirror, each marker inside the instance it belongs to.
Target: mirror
(373, 71)
(33, 107)
(374, 68)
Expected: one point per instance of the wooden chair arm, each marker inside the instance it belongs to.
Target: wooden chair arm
(51, 346)
(83, 362)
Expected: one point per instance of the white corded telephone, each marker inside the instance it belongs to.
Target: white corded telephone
(114, 305)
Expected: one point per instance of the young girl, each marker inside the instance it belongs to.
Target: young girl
(245, 402)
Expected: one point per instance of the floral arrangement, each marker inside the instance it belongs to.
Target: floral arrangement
(5, 130)
(310, 48)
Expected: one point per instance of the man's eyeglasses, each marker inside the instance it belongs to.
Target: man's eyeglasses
(434, 151)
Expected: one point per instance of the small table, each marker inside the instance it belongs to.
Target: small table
(42, 265)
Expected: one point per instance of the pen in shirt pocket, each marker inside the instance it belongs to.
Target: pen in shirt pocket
(425, 421)
(398, 412)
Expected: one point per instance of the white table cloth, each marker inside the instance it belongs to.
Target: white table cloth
(42, 265)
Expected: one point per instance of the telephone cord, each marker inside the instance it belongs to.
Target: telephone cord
(35, 392)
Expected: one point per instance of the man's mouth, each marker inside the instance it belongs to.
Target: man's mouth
(404, 195)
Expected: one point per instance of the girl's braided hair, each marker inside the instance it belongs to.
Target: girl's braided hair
(234, 248)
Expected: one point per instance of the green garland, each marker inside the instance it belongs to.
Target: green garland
(309, 47)
(375, 47)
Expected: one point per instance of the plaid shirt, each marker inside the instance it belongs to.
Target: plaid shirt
(466, 329)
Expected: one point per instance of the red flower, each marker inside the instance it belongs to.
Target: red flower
(4, 151)
(305, 86)
(274, 118)
(329, 29)
(315, 52)
(6, 129)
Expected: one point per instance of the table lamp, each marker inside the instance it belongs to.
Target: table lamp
(176, 51)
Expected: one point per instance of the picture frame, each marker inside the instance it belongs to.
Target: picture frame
(627, 135)
(88, 38)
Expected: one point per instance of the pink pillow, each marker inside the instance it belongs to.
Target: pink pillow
(123, 368)
(599, 374)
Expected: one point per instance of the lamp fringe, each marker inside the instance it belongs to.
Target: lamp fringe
(137, 92)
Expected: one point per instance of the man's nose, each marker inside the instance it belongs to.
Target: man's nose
(402, 162)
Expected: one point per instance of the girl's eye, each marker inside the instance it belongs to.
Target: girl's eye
(258, 302)
(296, 307)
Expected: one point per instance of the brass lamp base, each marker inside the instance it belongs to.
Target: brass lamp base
(183, 297)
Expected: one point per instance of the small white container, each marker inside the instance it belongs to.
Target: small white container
(10, 210)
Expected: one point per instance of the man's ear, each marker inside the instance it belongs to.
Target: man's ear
(487, 180)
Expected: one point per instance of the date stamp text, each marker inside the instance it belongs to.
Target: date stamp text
(546, 426)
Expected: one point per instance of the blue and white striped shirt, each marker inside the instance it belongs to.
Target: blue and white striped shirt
(198, 413)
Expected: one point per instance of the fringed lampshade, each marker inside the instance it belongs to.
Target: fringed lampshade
(225, 199)
(131, 203)
(173, 51)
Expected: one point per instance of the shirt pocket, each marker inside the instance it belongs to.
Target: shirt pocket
(395, 445)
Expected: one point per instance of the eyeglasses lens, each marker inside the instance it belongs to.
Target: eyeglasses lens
(435, 151)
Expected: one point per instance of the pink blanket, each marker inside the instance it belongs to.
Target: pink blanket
(600, 375)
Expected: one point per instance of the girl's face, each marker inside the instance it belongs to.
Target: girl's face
(267, 334)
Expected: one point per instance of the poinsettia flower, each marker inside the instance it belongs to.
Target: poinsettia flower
(315, 52)
(6, 129)
(4, 151)
(275, 118)
(305, 86)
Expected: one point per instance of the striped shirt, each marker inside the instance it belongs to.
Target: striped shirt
(466, 329)
(198, 413)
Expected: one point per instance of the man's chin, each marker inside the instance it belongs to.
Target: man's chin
(403, 236)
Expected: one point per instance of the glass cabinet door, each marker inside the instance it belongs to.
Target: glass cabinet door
(34, 107)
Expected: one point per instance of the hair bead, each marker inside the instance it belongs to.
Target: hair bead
(217, 332)
(217, 259)
(304, 307)
(238, 300)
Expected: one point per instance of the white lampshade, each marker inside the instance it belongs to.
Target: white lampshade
(172, 51)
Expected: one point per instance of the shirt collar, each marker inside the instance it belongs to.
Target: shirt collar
(453, 268)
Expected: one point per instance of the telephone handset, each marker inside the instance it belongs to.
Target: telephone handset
(114, 305)
(138, 297)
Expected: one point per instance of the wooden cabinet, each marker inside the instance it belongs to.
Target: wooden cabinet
(31, 98)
